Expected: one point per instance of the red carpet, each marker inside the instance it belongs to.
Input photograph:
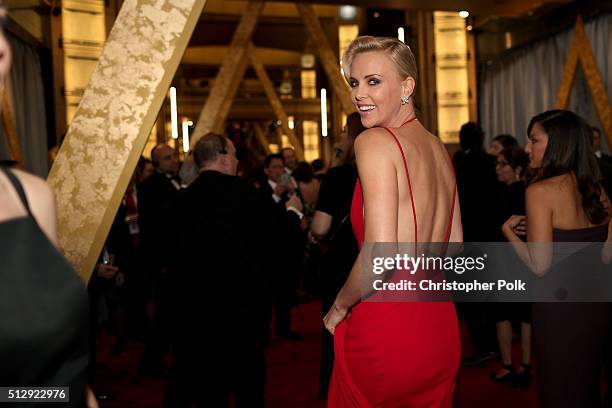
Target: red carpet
(293, 370)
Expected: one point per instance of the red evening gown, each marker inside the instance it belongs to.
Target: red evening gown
(395, 354)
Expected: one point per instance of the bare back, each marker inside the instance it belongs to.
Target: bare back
(566, 203)
(388, 207)
(433, 185)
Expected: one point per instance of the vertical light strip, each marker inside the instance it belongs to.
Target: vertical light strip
(185, 124)
(400, 34)
(173, 113)
(323, 112)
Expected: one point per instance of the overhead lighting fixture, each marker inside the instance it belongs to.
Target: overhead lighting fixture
(323, 112)
(347, 13)
(508, 40)
(469, 28)
(376, 14)
(400, 34)
(291, 122)
(173, 113)
(464, 14)
(186, 124)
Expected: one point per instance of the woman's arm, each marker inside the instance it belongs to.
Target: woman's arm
(321, 223)
(380, 196)
(456, 234)
(537, 254)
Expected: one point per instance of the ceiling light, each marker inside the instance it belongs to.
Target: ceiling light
(464, 14)
(347, 13)
(400, 34)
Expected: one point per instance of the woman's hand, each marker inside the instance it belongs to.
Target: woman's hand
(517, 224)
(106, 271)
(333, 318)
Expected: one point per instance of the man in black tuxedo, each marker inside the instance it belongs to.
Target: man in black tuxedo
(280, 193)
(159, 189)
(477, 191)
(155, 194)
(221, 284)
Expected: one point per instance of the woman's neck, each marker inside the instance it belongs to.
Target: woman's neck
(403, 116)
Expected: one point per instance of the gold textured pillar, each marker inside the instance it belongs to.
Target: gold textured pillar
(225, 105)
(580, 50)
(329, 59)
(113, 121)
(261, 137)
(274, 100)
(218, 102)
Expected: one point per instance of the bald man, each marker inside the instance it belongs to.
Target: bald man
(155, 194)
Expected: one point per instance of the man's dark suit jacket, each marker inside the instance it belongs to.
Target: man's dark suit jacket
(292, 245)
(221, 261)
(155, 194)
(477, 186)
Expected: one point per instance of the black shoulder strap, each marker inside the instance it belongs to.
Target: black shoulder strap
(18, 187)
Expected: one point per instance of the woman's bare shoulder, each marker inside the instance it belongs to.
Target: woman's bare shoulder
(35, 187)
(374, 139)
(543, 190)
(42, 203)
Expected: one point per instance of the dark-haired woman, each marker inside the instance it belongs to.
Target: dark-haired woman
(501, 142)
(510, 167)
(565, 203)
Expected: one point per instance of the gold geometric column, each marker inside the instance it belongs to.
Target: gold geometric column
(328, 58)
(219, 100)
(580, 50)
(113, 121)
(261, 137)
(274, 100)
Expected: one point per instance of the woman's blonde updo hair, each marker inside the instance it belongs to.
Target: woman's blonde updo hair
(400, 54)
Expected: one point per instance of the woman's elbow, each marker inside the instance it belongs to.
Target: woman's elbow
(540, 270)
(318, 234)
(321, 224)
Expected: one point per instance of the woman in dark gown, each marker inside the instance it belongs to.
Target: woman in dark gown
(331, 225)
(565, 203)
(43, 330)
(510, 167)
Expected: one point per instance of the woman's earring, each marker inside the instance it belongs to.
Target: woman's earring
(405, 99)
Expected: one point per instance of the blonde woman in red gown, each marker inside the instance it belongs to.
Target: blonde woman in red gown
(394, 354)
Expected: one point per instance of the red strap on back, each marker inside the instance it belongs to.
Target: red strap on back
(409, 183)
(452, 214)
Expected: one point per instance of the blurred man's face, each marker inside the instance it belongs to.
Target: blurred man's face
(147, 171)
(167, 160)
(232, 162)
(290, 160)
(275, 170)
